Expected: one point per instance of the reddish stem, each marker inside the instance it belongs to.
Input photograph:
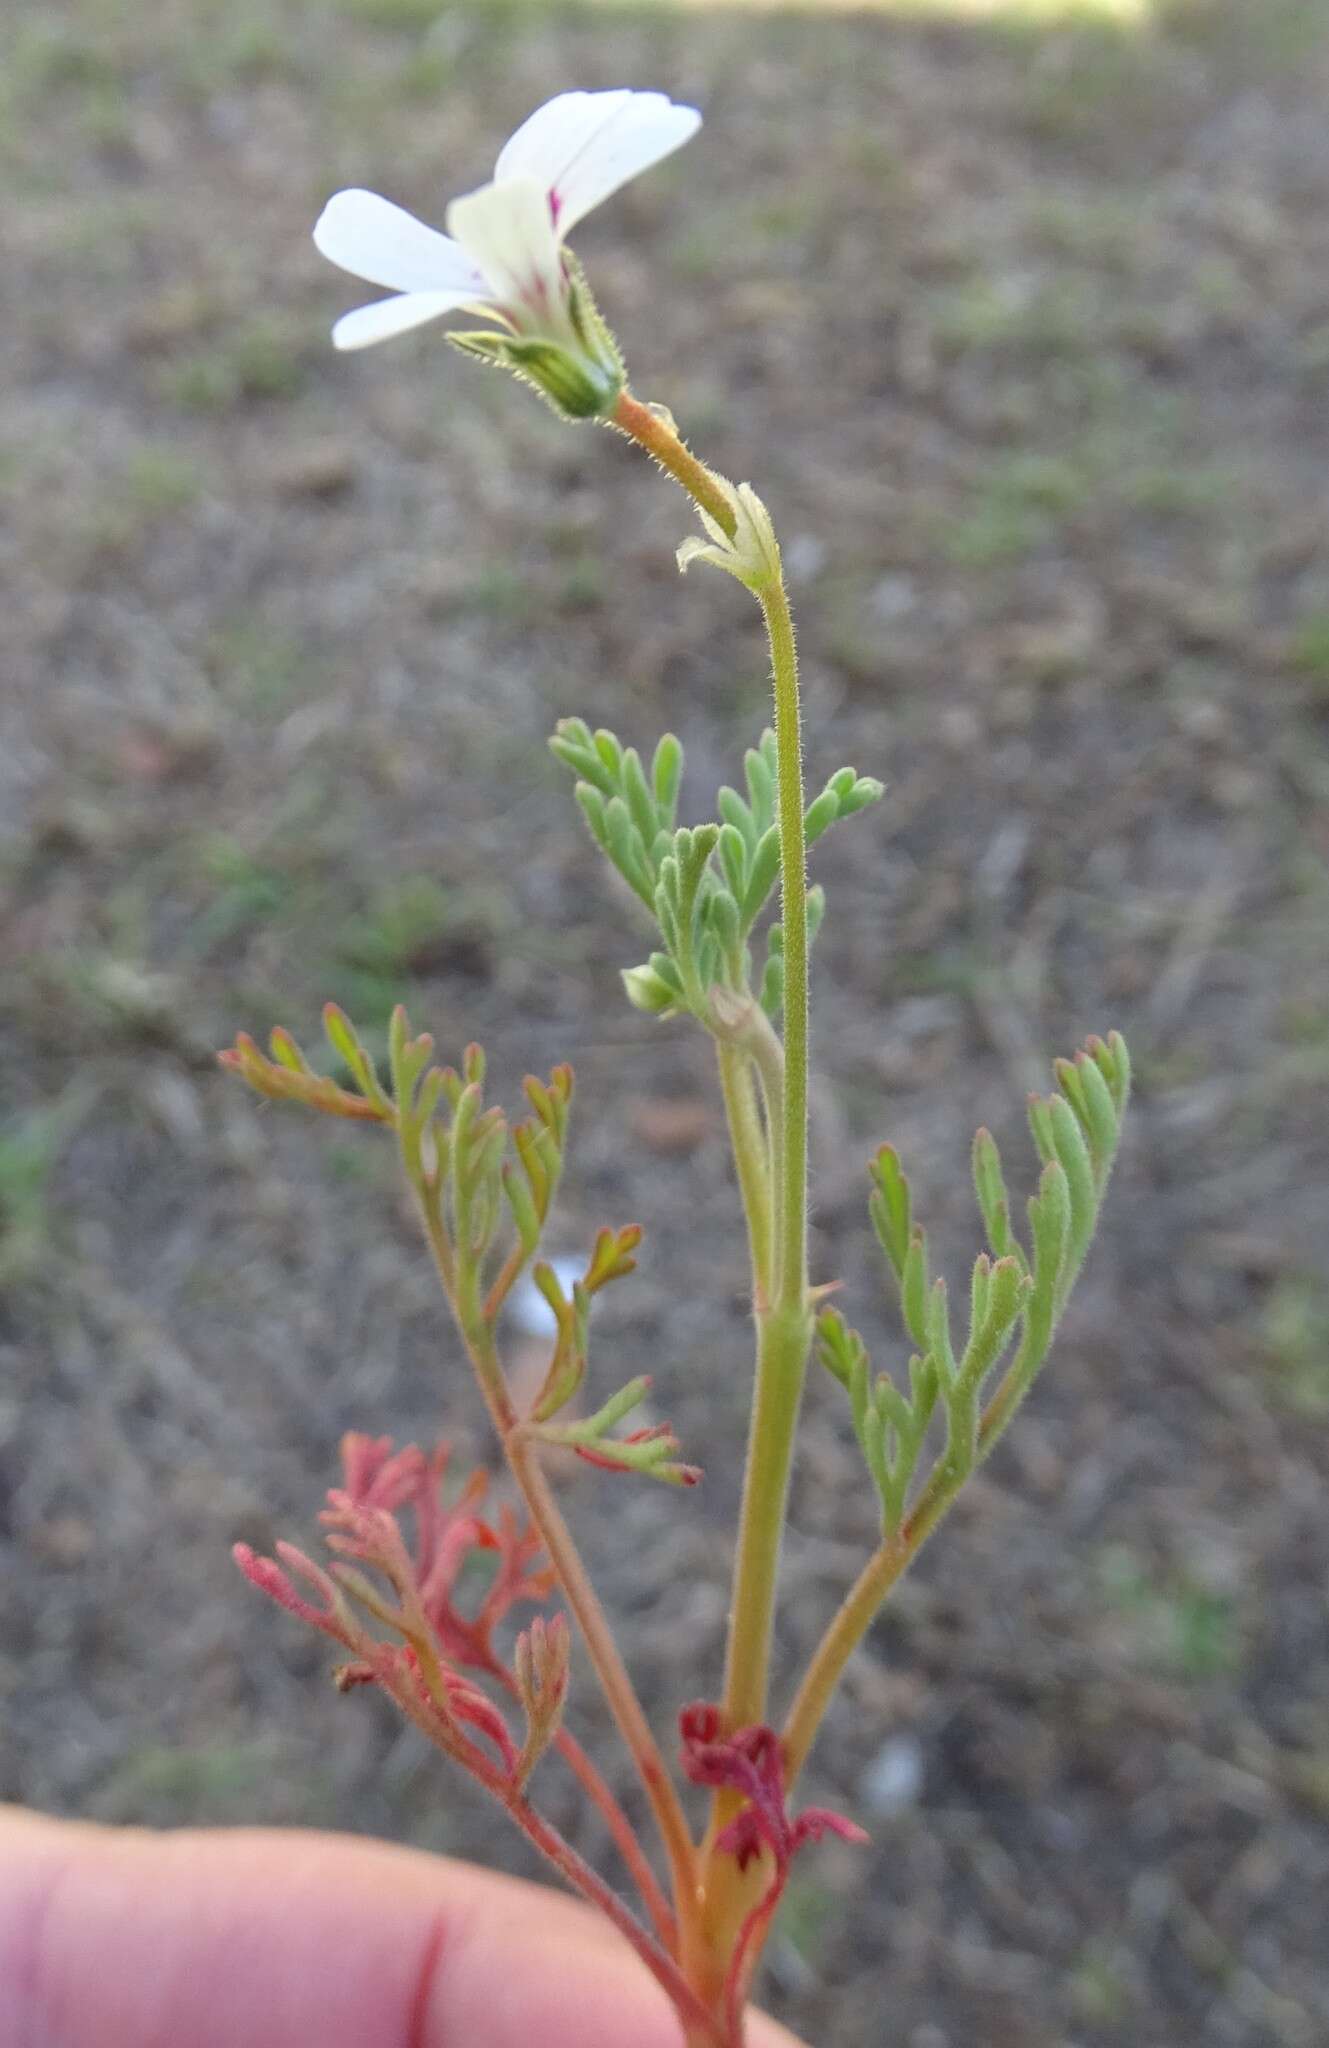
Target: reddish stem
(504, 1282)
(701, 2025)
(624, 1837)
(620, 1827)
(610, 1669)
(661, 1965)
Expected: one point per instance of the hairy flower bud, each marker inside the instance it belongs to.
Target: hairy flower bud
(752, 555)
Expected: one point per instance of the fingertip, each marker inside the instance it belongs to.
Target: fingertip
(130, 1939)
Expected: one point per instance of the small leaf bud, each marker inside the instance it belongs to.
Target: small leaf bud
(647, 991)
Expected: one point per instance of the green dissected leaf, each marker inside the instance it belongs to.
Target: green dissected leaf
(666, 776)
(1075, 1133)
(891, 1207)
(759, 770)
(722, 920)
(914, 1290)
(845, 793)
(762, 875)
(733, 850)
(735, 812)
(640, 798)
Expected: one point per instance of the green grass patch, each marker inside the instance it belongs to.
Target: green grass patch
(161, 1786)
(1050, 317)
(247, 895)
(257, 667)
(263, 358)
(159, 479)
(1294, 1331)
(1020, 504)
(1178, 1626)
(1309, 653)
(381, 948)
(30, 1145)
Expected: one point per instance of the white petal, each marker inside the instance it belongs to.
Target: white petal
(387, 317)
(549, 138)
(582, 146)
(384, 244)
(506, 230)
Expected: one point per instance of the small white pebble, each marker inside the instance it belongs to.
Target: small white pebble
(528, 1307)
(894, 1778)
(894, 597)
(804, 557)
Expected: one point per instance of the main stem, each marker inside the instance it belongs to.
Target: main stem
(792, 1192)
(783, 1334)
(752, 1161)
(784, 1328)
(783, 1331)
(784, 1325)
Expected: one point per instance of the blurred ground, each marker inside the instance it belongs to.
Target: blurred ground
(1023, 331)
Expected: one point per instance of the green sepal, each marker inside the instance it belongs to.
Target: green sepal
(581, 378)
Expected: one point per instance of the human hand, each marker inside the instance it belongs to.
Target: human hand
(124, 1938)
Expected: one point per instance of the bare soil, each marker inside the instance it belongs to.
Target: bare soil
(1023, 333)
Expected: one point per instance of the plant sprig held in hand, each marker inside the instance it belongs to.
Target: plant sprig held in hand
(732, 918)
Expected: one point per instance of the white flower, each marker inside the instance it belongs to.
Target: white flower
(504, 252)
